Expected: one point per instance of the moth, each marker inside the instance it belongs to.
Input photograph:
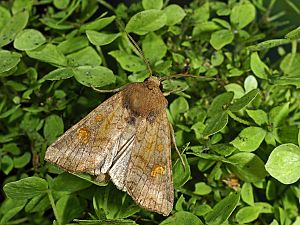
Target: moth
(127, 137)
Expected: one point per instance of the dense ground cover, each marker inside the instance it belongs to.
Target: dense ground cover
(239, 131)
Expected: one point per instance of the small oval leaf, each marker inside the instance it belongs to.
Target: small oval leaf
(284, 163)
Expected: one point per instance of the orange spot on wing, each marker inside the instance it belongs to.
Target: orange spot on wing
(83, 135)
(160, 147)
(158, 170)
(99, 118)
(149, 146)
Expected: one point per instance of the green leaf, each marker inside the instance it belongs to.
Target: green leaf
(152, 4)
(249, 139)
(10, 208)
(8, 60)
(98, 38)
(268, 44)
(278, 114)
(242, 14)
(220, 104)
(288, 81)
(294, 34)
(223, 23)
(17, 23)
(180, 174)
(221, 38)
(247, 166)
(20, 162)
(174, 14)
(61, 4)
(9, 112)
(48, 53)
(68, 208)
(54, 126)
(29, 39)
(250, 83)
(38, 203)
(259, 116)
(222, 210)
(16, 85)
(146, 21)
(223, 149)
(217, 58)
(4, 16)
(84, 57)
(243, 101)
(247, 194)
(72, 44)
(248, 214)
(178, 106)
(128, 62)
(59, 74)
(21, 5)
(182, 218)
(284, 163)
(69, 183)
(203, 28)
(11, 148)
(106, 222)
(201, 209)
(290, 65)
(258, 67)
(25, 188)
(97, 24)
(215, 124)
(97, 76)
(202, 188)
(201, 14)
(153, 47)
(114, 203)
(298, 138)
(7, 164)
(236, 89)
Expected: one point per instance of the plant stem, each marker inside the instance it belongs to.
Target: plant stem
(240, 120)
(99, 50)
(51, 199)
(107, 5)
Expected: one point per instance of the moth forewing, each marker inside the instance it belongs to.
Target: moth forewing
(127, 137)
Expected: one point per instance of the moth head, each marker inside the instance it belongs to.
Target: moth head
(152, 82)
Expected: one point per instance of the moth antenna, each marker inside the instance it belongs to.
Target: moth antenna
(175, 90)
(137, 47)
(108, 91)
(180, 75)
(174, 142)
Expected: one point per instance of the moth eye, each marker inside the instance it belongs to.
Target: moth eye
(157, 170)
(83, 134)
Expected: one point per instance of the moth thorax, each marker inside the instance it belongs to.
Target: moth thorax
(145, 99)
(152, 82)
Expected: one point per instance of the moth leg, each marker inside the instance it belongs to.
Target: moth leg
(175, 145)
(108, 91)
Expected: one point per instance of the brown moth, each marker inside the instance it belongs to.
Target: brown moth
(127, 137)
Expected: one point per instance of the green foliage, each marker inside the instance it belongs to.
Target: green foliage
(239, 130)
